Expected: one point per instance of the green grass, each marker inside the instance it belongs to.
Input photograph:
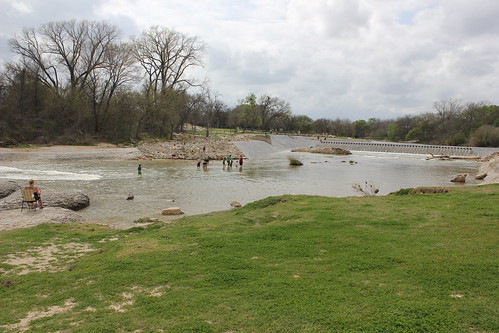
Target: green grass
(410, 263)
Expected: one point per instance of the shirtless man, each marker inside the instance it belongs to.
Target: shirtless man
(36, 192)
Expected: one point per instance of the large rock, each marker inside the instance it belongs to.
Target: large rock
(481, 176)
(172, 211)
(68, 199)
(460, 178)
(7, 188)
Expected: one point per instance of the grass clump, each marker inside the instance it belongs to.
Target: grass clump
(294, 161)
(282, 264)
(402, 191)
(145, 220)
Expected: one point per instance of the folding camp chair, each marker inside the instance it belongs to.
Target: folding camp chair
(28, 197)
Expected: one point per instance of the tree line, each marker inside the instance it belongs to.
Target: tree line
(78, 82)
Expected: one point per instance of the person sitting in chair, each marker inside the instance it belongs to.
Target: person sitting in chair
(36, 192)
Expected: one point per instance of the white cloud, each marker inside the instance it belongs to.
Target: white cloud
(20, 7)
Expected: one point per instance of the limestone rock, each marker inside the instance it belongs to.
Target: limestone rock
(235, 204)
(172, 211)
(6, 188)
(481, 175)
(461, 178)
(68, 199)
(323, 150)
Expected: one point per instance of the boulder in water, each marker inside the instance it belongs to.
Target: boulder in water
(461, 178)
(235, 204)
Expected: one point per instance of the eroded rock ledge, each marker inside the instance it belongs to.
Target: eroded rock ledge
(68, 199)
(322, 150)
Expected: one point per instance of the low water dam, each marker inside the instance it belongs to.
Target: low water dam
(278, 143)
(407, 148)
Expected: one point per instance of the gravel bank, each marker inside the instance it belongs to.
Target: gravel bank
(192, 147)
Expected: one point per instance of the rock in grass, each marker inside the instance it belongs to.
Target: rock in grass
(172, 211)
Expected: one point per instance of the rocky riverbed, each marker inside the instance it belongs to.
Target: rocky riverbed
(192, 147)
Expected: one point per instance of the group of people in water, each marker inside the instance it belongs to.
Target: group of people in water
(226, 161)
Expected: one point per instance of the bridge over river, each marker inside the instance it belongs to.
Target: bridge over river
(277, 143)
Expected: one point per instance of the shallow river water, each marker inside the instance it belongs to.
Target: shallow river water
(167, 183)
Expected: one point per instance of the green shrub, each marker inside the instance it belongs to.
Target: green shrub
(457, 139)
(485, 136)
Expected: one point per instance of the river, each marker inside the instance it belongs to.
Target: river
(175, 183)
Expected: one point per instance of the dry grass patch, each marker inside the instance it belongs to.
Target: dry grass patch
(48, 257)
(24, 324)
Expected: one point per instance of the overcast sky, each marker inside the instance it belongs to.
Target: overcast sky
(352, 59)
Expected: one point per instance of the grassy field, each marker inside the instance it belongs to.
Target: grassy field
(397, 263)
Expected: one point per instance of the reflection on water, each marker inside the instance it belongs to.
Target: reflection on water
(167, 183)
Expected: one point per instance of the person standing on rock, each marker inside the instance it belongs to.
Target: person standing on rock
(229, 160)
(37, 194)
(139, 170)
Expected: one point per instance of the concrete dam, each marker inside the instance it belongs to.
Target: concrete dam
(278, 143)
(405, 148)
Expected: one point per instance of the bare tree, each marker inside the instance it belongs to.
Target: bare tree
(271, 108)
(118, 68)
(64, 54)
(448, 107)
(190, 110)
(166, 56)
(212, 106)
